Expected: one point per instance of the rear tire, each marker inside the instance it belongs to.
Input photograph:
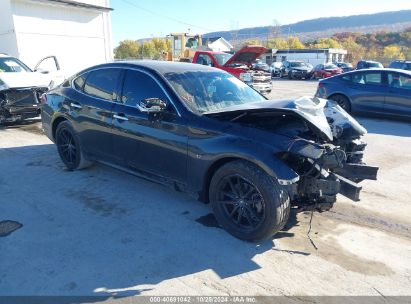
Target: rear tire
(69, 148)
(247, 202)
(342, 101)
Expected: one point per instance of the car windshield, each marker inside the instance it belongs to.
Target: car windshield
(222, 58)
(211, 91)
(12, 65)
(330, 66)
(297, 64)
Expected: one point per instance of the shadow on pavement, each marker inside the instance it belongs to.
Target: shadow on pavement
(386, 126)
(103, 232)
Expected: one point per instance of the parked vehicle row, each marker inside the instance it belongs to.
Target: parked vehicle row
(294, 69)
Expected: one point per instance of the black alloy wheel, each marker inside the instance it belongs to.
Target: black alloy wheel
(242, 202)
(247, 202)
(69, 148)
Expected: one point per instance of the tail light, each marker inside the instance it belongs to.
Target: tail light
(43, 98)
(321, 85)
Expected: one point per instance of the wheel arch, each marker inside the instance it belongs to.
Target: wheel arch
(344, 95)
(55, 124)
(276, 169)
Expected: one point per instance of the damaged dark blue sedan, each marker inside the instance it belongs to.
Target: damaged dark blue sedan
(203, 131)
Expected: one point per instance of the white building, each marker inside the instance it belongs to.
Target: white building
(313, 56)
(78, 33)
(218, 44)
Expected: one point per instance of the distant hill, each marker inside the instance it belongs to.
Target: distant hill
(324, 27)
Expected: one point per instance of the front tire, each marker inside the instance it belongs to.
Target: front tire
(342, 101)
(247, 202)
(69, 148)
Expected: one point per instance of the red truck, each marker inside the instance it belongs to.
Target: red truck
(239, 65)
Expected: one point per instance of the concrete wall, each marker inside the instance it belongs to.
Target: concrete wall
(79, 37)
(8, 43)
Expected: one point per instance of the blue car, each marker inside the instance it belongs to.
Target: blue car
(382, 91)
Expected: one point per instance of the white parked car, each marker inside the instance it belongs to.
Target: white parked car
(21, 87)
(275, 69)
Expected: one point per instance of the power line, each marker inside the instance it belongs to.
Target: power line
(165, 16)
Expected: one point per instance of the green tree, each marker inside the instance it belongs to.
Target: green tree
(148, 50)
(161, 46)
(393, 52)
(277, 43)
(355, 51)
(295, 43)
(253, 42)
(327, 43)
(127, 49)
(407, 53)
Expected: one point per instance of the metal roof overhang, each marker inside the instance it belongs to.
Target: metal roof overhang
(77, 4)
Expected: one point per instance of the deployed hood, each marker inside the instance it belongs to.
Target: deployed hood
(327, 117)
(24, 79)
(246, 55)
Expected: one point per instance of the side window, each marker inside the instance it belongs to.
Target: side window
(204, 59)
(358, 78)
(102, 83)
(79, 82)
(373, 78)
(139, 86)
(346, 77)
(399, 81)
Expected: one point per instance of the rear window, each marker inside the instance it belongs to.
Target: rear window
(102, 83)
(367, 78)
(79, 82)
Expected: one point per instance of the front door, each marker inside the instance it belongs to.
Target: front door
(368, 91)
(398, 99)
(149, 142)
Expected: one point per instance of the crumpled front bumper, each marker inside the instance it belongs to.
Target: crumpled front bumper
(20, 103)
(325, 171)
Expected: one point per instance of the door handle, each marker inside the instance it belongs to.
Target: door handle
(75, 105)
(120, 117)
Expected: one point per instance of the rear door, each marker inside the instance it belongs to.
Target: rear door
(90, 108)
(368, 91)
(398, 98)
(149, 142)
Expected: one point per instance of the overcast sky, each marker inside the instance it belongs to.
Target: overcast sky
(135, 19)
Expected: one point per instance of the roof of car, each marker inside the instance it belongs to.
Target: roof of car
(381, 70)
(162, 67)
(368, 61)
(4, 55)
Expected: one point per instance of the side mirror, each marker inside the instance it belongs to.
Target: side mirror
(152, 105)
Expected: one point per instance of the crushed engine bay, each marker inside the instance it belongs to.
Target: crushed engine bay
(322, 145)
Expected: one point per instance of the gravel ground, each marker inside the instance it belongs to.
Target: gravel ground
(103, 232)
